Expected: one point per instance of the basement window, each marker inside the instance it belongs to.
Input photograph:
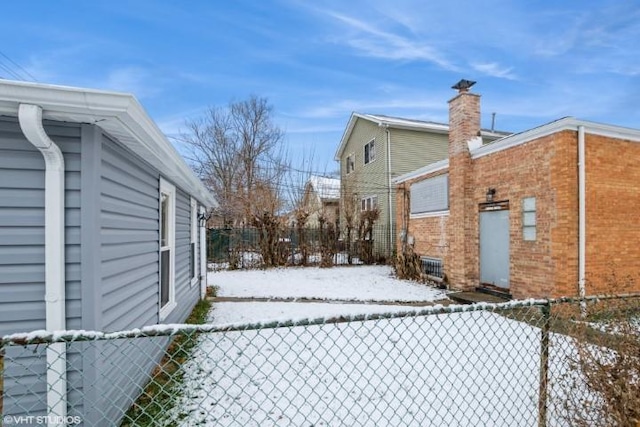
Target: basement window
(432, 266)
(529, 219)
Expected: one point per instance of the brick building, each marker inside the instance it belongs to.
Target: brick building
(552, 211)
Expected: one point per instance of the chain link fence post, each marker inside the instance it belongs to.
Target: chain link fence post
(544, 364)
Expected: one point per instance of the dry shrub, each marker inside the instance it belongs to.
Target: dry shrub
(408, 265)
(604, 376)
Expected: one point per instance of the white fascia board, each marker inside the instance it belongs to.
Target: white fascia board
(346, 134)
(120, 114)
(433, 167)
(566, 123)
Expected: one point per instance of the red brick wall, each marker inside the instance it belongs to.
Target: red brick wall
(613, 215)
(545, 169)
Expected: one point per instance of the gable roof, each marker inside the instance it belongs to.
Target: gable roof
(326, 188)
(118, 114)
(400, 123)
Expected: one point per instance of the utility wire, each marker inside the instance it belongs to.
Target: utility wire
(12, 68)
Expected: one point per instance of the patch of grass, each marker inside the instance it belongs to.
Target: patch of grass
(1, 381)
(161, 392)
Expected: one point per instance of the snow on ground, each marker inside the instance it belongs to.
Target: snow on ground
(469, 368)
(472, 368)
(250, 312)
(362, 283)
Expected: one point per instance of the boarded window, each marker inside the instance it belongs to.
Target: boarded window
(430, 195)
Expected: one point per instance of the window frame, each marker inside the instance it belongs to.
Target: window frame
(369, 152)
(373, 203)
(193, 243)
(169, 190)
(351, 163)
(529, 219)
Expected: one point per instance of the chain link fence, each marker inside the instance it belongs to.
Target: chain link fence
(530, 363)
(237, 248)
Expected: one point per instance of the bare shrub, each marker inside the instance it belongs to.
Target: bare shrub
(603, 383)
(408, 265)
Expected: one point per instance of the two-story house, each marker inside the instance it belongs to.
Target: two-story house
(375, 149)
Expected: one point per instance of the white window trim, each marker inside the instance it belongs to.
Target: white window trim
(170, 190)
(374, 152)
(364, 199)
(429, 214)
(194, 240)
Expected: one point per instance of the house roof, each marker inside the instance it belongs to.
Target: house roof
(565, 123)
(401, 123)
(119, 114)
(326, 188)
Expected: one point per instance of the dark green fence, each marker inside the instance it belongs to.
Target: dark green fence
(242, 248)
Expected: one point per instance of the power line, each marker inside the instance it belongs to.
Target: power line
(14, 69)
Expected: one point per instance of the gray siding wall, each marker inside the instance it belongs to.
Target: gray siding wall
(117, 233)
(129, 276)
(22, 270)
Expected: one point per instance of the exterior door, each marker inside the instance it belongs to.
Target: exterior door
(494, 248)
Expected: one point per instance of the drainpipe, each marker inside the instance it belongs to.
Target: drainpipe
(582, 214)
(389, 182)
(203, 257)
(30, 118)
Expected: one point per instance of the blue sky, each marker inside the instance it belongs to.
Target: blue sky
(319, 61)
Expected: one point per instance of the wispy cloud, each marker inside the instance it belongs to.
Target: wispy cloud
(494, 69)
(371, 41)
(133, 79)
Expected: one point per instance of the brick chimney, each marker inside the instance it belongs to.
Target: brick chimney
(464, 125)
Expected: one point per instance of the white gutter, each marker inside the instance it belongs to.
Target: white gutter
(30, 118)
(389, 183)
(203, 256)
(582, 214)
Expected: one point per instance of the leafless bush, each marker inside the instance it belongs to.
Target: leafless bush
(408, 265)
(603, 383)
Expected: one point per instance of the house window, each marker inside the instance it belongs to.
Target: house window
(167, 248)
(529, 218)
(351, 163)
(369, 203)
(193, 258)
(370, 152)
(430, 195)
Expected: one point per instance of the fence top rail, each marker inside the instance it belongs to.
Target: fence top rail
(164, 330)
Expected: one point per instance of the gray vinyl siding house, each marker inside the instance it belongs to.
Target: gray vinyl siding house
(401, 146)
(120, 175)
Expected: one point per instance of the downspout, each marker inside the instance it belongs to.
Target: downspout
(30, 118)
(203, 256)
(389, 183)
(582, 214)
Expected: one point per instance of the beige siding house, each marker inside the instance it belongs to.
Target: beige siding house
(375, 149)
(321, 197)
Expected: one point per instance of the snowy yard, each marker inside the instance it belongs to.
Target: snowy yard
(469, 368)
(359, 283)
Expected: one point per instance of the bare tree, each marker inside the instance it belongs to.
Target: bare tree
(237, 151)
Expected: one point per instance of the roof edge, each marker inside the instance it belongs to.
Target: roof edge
(107, 109)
